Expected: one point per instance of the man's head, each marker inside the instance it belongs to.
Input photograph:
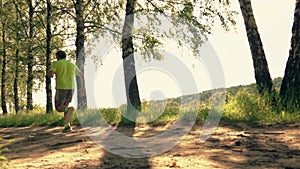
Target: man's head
(61, 55)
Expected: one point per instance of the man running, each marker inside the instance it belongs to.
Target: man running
(64, 72)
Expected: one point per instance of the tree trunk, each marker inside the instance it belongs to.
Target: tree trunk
(16, 80)
(261, 70)
(3, 78)
(30, 58)
(80, 60)
(17, 61)
(49, 107)
(131, 86)
(290, 88)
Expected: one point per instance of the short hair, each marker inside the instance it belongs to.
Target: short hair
(61, 54)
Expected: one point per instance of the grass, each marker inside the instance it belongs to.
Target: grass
(243, 107)
(250, 107)
(242, 104)
(31, 119)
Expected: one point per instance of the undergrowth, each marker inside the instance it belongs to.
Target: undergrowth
(244, 106)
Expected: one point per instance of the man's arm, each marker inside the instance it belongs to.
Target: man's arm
(52, 70)
(50, 74)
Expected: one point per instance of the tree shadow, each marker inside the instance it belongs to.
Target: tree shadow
(36, 142)
(232, 146)
(256, 146)
(112, 159)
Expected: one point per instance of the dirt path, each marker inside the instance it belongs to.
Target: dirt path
(239, 146)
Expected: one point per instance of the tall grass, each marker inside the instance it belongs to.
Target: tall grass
(244, 106)
(36, 117)
(250, 106)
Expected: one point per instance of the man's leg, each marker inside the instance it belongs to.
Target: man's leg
(68, 110)
(62, 100)
(59, 100)
(68, 115)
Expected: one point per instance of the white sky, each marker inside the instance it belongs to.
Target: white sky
(274, 19)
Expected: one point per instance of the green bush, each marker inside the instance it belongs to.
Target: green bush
(111, 115)
(247, 106)
(202, 114)
(250, 106)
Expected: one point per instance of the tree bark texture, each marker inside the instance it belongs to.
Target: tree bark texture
(261, 70)
(16, 80)
(131, 86)
(49, 107)
(290, 88)
(30, 58)
(80, 58)
(3, 71)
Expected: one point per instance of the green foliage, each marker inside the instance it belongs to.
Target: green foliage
(250, 106)
(92, 117)
(243, 104)
(156, 112)
(35, 118)
(202, 115)
(111, 115)
(89, 117)
(290, 101)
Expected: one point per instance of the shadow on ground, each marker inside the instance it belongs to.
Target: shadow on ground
(231, 146)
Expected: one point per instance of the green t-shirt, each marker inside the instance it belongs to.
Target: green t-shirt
(64, 72)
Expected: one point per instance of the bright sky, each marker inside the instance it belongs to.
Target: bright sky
(274, 20)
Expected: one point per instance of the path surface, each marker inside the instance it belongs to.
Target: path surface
(238, 146)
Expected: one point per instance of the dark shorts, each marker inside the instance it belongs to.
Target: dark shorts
(63, 97)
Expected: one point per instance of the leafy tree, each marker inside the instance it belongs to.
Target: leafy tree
(37, 16)
(34, 41)
(185, 13)
(13, 91)
(18, 18)
(84, 17)
(9, 78)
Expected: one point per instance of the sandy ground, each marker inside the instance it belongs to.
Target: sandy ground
(230, 146)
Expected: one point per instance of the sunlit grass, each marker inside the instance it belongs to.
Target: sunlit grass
(248, 106)
(34, 118)
(244, 106)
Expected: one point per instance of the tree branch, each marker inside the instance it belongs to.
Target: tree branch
(89, 11)
(157, 8)
(64, 10)
(102, 27)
